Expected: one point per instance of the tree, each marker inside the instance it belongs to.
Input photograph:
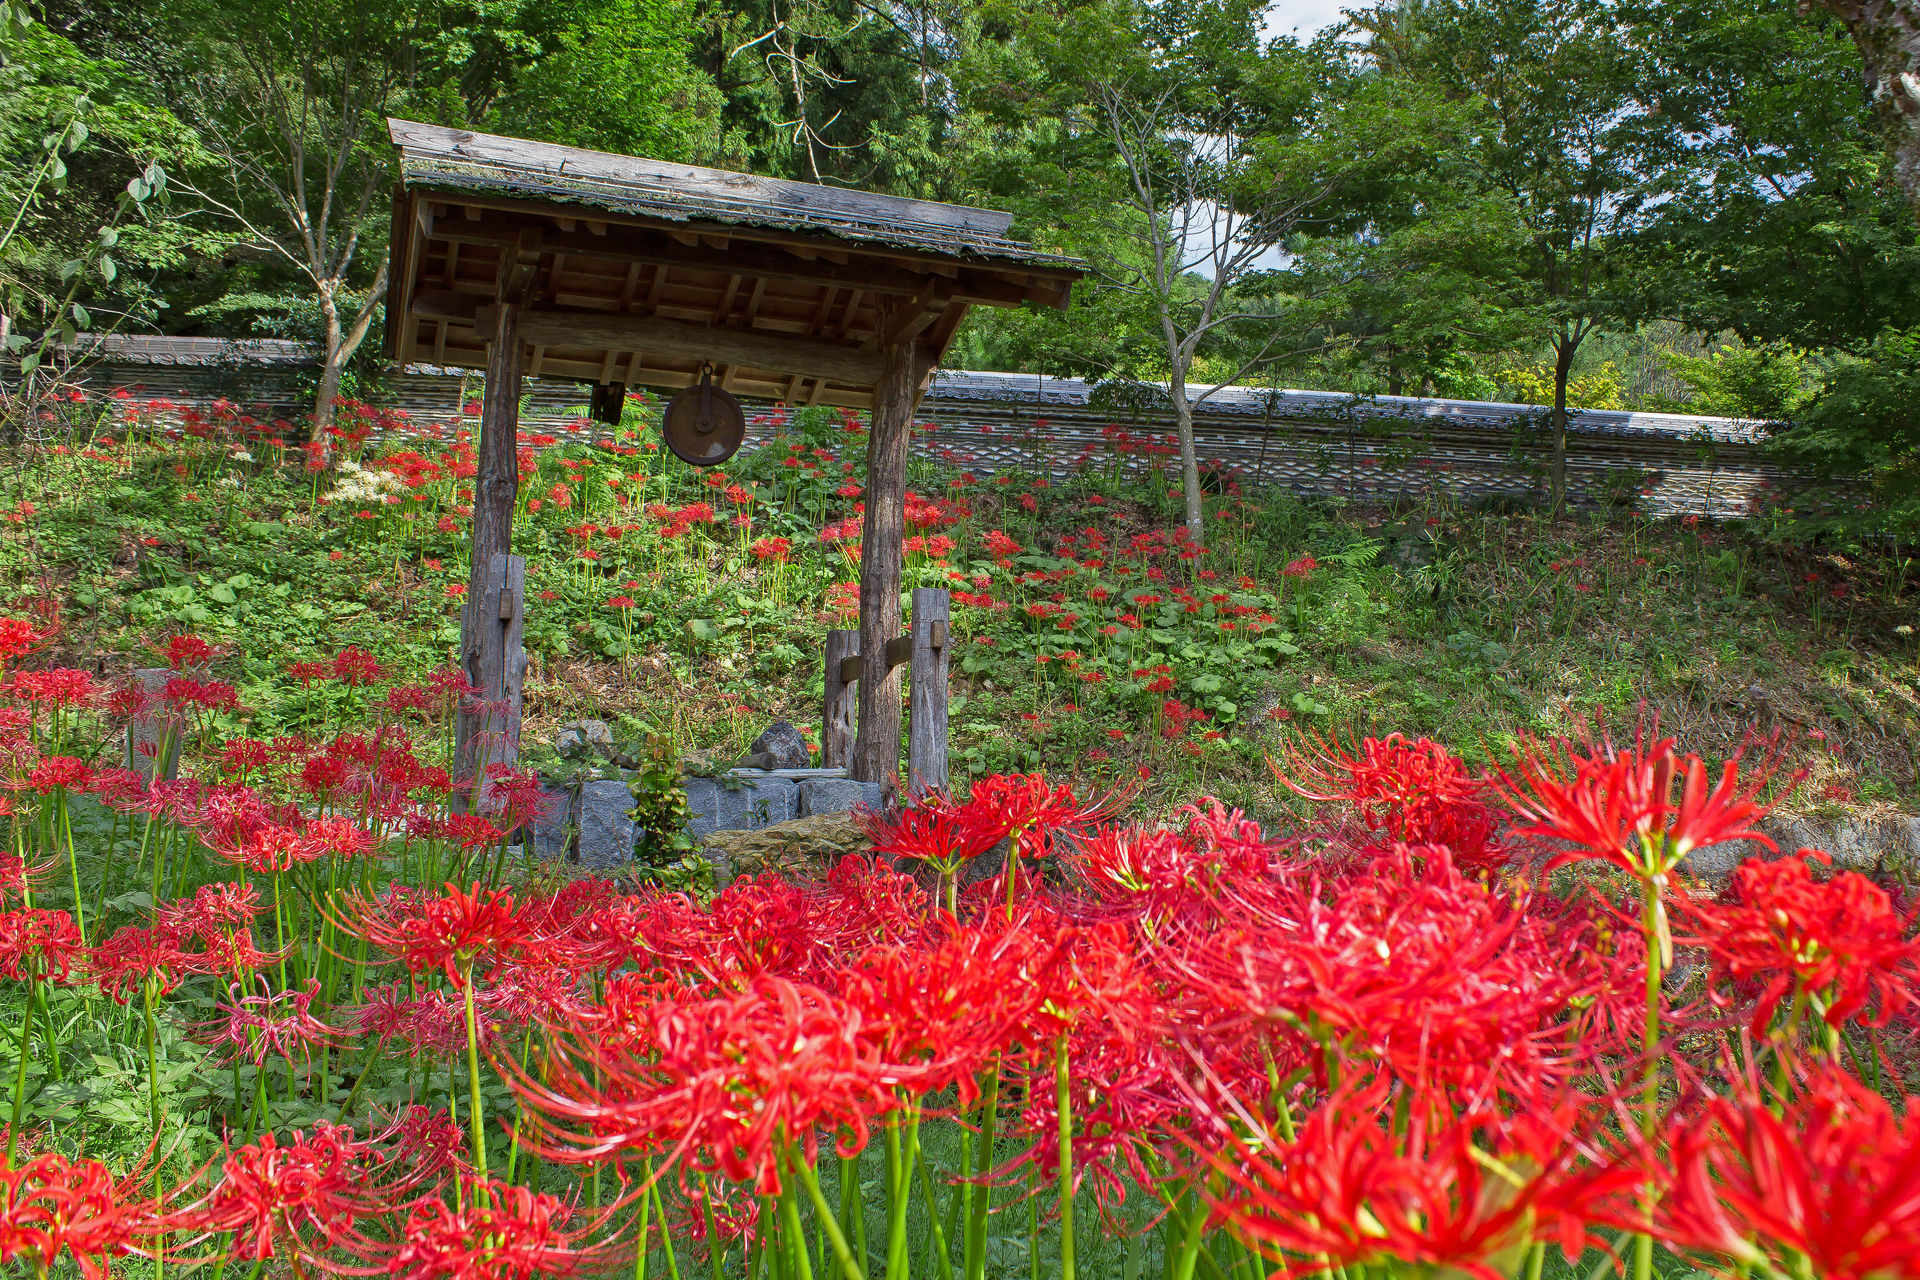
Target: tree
(1782, 220)
(291, 96)
(1557, 152)
(1888, 35)
(1209, 148)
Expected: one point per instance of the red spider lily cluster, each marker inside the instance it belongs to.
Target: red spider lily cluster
(1446, 1023)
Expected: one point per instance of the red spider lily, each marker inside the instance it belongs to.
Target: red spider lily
(736, 1079)
(60, 773)
(17, 639)
(39, 944)
(274, 848)
(339, 837)
(937, 831)
(188, 651)
(1841, 940)
(53, 1206)
(1416, 791)
(256, 1027)
(1352, 1187)
(1408, 964)
(1617, 804)
(355, 666)
(450, 933)
(17, 878)
(214, 909)
(304, 1198)
(135, 956)
(422, 1144)
(942, 1013)
(504, 1233)
(1029, 806)
(60, 687)
(1826, 1183)
(208, 695)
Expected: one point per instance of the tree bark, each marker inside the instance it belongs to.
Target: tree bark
(1189, 459)
(1562, 368)
(876, 749)
(341, 343)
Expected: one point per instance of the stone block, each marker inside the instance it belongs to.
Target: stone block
(756, 803)
(553, 830)
(703, 806)
(836, 795)
(606, 830)
(145, 732)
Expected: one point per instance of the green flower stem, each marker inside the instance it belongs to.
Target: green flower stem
(980, 1201)
(804, 1172)
(666, 1237)
(476, 1110)
(153, 1056)
(938, 1236)
(20, 1070)
(716, 1257)
(899, 1185)
(73, 863)
(1653, 915)
(1063, 1104)
(643, 1233)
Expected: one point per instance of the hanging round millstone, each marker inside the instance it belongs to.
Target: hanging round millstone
(704, 425)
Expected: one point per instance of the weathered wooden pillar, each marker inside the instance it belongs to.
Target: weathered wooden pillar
(927, 688)
(837, 718)
(483, 640)
(496, 617)
(903, 376)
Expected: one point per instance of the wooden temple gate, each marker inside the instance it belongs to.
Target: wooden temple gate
(527, 259)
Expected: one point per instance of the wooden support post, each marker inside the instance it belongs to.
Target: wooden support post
(927, 689)
(905, 370)
(497, 666)
(496, 487)
(836, 728)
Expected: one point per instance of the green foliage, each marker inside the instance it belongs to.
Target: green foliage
(659, 801)
(1767, 381)
(1863, 426)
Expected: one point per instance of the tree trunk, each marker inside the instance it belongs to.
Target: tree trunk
(341, 343)
(876, 749)
(332, 367)
(1189, 460)
(333, 362)
(1562, 367)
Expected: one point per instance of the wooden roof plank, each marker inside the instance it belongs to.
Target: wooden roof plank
(674, 185)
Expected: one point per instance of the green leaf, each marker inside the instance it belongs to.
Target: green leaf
(221, 593)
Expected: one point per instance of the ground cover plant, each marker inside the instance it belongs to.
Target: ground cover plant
(1093, 640)
(311, 1007)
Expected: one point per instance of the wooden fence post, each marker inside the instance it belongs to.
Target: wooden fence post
(496, 665)
(927, 691)
(837, 721)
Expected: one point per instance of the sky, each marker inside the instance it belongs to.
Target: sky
(1304, 16)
